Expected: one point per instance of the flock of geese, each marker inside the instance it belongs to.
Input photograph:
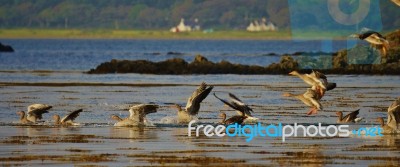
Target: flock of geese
(317, 81)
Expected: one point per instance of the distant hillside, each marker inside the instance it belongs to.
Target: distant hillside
(154, 14)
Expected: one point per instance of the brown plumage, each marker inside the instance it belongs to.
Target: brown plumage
(351, 117)
(235, 119)
(309, 98)
(117, 118)
(193, 103)
(68, 119)
(35, 111)
(386, 129)
(23, 119)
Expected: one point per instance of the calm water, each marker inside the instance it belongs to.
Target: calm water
(168, 144)
(66, 55)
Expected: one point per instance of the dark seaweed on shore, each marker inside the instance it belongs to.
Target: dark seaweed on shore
(358, 60)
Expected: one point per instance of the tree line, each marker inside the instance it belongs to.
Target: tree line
(156, 14)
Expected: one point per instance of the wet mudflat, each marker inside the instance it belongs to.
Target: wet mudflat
(97, 142)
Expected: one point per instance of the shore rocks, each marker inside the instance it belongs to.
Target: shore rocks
(358, 60)
(6, 48)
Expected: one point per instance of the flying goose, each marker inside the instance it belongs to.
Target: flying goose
(310, 79)
(351, 117)
(68, 119)
(376, 40)
(193, 103)
(35, 112)
(137, 115)
(309, 98)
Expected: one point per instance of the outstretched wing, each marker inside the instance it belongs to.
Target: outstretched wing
(351, 116)
(142, 110)
(71, 116)
(236, 106)
(318, 74)
(241, 105)
(193, 103)
(201, 88)
(38, 109)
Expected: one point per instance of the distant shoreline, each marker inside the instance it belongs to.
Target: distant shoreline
(22, 33)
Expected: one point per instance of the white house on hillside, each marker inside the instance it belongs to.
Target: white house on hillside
(263, 26)
(181, 27)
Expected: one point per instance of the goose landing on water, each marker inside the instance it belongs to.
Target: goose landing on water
(68, 119)
(35, 112)
(351, 117)
(193, 104)
(243, 110)
(137, 115)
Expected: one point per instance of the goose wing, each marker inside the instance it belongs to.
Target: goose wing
(193, 103)
(71, 116)
(142, 110)
(318, 74)
(351, 116)
(230, 104)
(38, 109)
(242, 106)
(367, 34)
(311, 95)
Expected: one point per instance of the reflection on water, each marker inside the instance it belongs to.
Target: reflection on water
(97, 142)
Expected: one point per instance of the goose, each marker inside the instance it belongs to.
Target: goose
(317, 80)
(68, 119)
(386, 128)
(309, 98)
(23, 119)
(137, 115)
(240, 107)
(310, 79)
(375, 39)
(35, 112)
(239, 119)
(394, 114)
(193, 103)
(351, 117)
(123, 122)
(393, 118)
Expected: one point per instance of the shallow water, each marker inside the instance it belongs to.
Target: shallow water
(51, 72)
(168, 144)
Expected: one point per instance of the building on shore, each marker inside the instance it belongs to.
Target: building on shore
(181, 27)
(255, 26)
